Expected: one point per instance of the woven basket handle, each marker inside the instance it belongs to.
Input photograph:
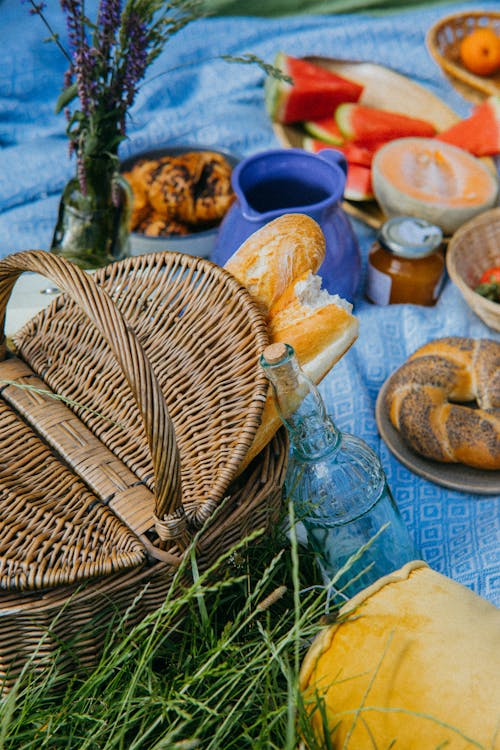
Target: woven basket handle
(99, 307)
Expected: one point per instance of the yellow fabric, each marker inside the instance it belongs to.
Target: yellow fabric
(415, 660)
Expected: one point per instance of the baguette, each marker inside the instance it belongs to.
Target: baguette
(274, 256)
(319, 326)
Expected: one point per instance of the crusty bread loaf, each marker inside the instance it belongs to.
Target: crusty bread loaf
(277, 264)
(277, 254)
(421, 395)
(319, 326)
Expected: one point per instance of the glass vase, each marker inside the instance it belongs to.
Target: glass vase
(92, 227)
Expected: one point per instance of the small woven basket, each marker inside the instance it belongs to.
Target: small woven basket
(154, 361)
(443, 42)
(473, 249)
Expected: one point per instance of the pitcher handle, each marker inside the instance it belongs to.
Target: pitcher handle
(333, 156)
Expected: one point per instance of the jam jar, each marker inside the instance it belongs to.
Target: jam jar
(406, 263)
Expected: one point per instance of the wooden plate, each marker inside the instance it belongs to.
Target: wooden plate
(454, 476)
(384, 89)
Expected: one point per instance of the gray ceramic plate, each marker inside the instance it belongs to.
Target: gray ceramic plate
(455, 476)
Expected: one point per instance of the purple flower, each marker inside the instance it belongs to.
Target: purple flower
(108, 59)
(74, 23)
(137, 58)
(37, 8)
(109, 17)
(108, 24)
(87, 87)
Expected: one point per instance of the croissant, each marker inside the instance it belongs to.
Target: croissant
(171, 192)
(429, 398)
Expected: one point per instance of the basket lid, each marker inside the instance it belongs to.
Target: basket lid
(201, 335)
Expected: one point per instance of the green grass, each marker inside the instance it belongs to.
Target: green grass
(226, 677)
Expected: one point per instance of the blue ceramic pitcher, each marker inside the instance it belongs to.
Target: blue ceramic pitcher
(271, 183)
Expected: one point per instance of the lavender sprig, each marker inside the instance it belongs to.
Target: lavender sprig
(108, 22)
(108, 60)
(37, 10)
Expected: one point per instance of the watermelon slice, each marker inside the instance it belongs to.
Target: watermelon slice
(353, 152)
(358, 186)
(314, 92)
(363, 124)
(478, 134)
(325, 129)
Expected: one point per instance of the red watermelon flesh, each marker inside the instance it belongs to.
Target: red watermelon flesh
(478, 134)
(358, 185)
(314, 92)
(353, 152)
(366, 125)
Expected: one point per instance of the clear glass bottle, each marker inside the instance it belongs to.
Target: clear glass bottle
(337, 484)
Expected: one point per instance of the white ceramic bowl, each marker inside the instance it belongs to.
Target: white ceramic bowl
(198, 243)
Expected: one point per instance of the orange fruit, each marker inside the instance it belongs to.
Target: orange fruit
(480, 51)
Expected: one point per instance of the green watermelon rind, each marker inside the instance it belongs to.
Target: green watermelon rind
(276, 90)
(316, 131)
(343, 120)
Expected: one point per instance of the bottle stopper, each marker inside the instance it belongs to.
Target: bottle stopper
(275, 353)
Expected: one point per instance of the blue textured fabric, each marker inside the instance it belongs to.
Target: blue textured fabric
(191, 96)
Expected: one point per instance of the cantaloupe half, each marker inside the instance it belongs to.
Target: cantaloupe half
(432, 180)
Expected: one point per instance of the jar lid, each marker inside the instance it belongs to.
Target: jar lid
(410, 237)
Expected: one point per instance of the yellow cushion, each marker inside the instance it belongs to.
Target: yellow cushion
(414, 660)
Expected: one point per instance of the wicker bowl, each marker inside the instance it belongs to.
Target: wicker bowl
(443, 42)
(473, 249)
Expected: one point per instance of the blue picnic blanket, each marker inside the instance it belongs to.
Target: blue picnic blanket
(191, 95)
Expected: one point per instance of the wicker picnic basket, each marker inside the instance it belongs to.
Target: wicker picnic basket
(443, 42)
(155, 363)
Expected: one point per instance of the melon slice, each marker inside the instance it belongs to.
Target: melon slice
(358, 186)
(314, 92)
(432, 180)
(325, 129)
(363, 124)
(478, 134)
(353, 152)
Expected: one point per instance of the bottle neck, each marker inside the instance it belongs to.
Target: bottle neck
(302, 410)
